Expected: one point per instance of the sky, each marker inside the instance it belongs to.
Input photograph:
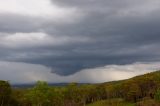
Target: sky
(89, 41)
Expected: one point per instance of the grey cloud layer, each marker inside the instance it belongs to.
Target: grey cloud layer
(98, 33)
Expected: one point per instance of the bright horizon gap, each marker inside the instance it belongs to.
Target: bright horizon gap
(92, 75)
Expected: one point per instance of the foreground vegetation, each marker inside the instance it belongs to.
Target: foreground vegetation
(138, 91)
(112, 102)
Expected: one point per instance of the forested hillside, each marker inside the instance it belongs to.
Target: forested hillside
(138, 91)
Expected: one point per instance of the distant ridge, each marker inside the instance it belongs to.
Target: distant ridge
(30, 85)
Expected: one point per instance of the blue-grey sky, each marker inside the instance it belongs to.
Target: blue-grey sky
(65, 38)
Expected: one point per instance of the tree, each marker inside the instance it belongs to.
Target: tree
(157, 95)
(40, 95)
(74, 95)
(5, 93)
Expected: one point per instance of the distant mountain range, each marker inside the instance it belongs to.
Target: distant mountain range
(30, 85)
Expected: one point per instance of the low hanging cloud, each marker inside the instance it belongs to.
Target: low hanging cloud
(17, 72)
(69, 36)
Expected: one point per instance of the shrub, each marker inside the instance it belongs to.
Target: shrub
(157, 95)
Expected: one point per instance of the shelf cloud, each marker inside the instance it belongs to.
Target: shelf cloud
(67, 37)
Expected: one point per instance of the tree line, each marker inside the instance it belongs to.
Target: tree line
(132, 90)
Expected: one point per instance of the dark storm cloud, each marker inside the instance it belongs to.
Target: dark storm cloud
(117, 32)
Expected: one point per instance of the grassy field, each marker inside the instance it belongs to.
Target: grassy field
(111, 102)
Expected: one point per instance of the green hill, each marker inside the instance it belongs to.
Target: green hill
(142, 90)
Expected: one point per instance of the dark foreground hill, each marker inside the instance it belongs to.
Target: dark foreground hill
(137, 90)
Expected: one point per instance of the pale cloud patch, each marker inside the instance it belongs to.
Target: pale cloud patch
(117, 72)
(37, 39)
(35, 8)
